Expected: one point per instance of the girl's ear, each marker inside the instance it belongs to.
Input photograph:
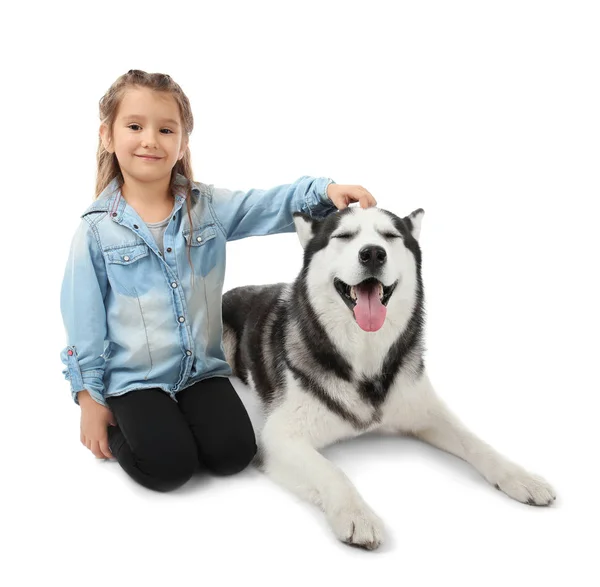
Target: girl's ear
(105, 138)
(184, 146)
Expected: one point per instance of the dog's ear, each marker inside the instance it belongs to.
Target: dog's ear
(413, 222)
(305, 227)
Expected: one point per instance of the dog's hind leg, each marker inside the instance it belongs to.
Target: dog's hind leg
(294, 463)
(434, 423)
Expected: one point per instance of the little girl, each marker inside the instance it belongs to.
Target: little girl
(141, 296)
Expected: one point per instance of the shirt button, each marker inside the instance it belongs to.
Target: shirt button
(188, 353)
(181, 319)
(174, 284)
(125, 258)
(169, 250)
(199, 239)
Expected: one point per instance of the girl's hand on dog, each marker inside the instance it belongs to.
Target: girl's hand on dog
(343, 195)
(94, 420)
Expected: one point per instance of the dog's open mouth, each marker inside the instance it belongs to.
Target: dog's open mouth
(367, 300)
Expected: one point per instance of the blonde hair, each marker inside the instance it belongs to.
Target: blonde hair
(108, 165)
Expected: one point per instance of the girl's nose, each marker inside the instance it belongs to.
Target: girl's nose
(149, 141)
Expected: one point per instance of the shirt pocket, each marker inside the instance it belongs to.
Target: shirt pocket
(203, 248)
(128, 268)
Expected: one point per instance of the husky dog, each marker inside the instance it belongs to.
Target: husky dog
(339, 353)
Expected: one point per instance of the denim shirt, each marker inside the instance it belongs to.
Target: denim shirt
(132, 317)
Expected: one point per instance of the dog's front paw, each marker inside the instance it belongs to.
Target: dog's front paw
(356, 524)
(523, 486)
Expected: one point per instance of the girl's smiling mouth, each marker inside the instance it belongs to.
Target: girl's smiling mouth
(149, 157)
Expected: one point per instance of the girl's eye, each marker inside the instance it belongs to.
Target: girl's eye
(169, 131)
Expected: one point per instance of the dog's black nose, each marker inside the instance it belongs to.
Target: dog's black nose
(372, 256)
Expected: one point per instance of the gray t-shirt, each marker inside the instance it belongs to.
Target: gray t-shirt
(158, 230)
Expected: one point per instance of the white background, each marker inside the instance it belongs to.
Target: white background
(486, 114)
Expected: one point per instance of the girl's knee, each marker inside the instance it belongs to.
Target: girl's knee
(231, 457)
(169, 479)
(169, 470)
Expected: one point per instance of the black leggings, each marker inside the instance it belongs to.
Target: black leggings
(160, 442)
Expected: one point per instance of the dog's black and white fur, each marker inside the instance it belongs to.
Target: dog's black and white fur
(339, 353)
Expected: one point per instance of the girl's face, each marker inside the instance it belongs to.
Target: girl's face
(148, 138)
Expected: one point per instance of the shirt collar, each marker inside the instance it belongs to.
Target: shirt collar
(110, 199)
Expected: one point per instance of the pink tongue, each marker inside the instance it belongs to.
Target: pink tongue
(369, 311)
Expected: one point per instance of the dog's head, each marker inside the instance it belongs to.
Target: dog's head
(361, 261)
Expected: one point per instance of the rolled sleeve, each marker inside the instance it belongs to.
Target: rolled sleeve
(84, 316)
(318, 204)
(91, 380)
(260, 212)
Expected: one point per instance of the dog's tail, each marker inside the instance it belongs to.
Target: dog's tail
(236, 303)
(245, 309)
(230, 346)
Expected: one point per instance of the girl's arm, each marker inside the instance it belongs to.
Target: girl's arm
(82, 305)
(259, 212)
